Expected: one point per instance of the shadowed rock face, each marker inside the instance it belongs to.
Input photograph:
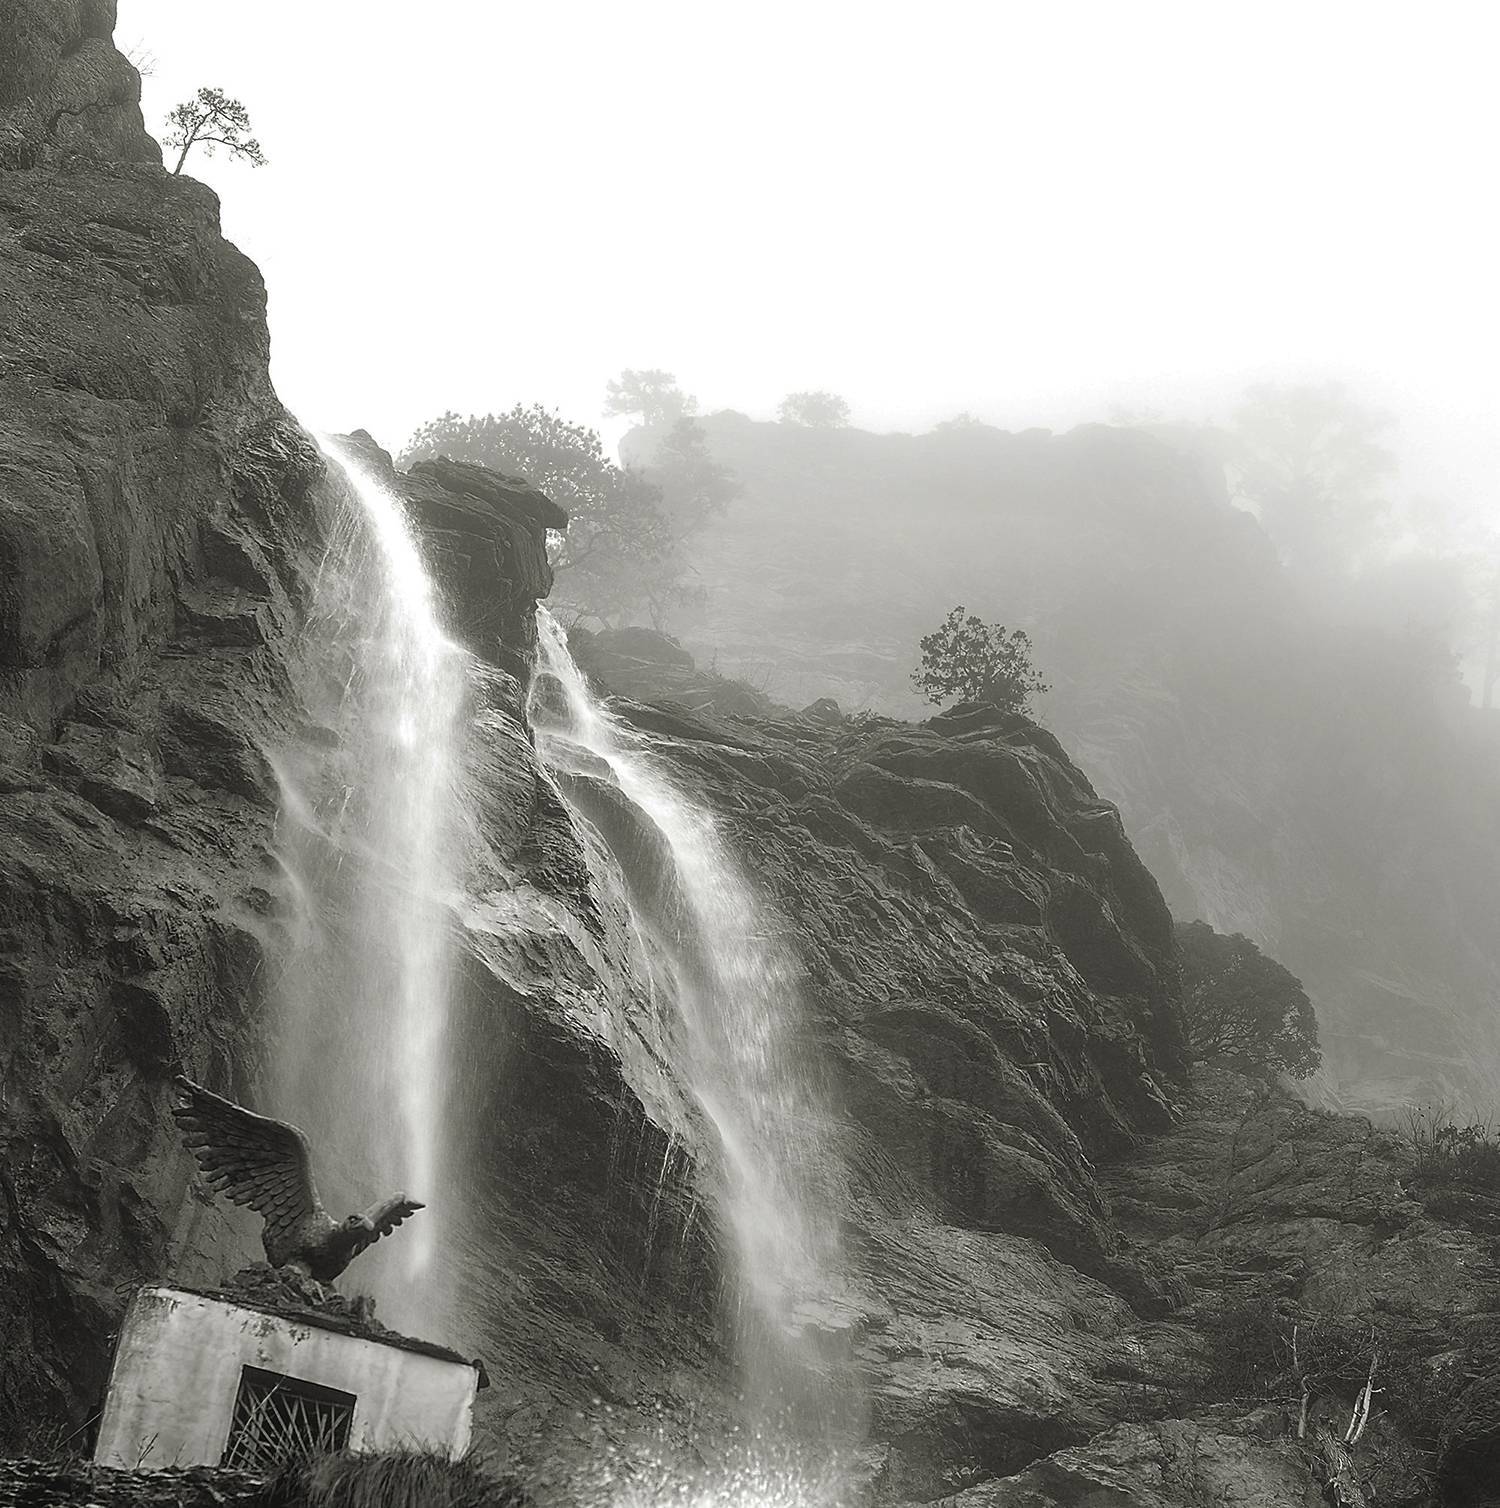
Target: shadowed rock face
(64, 89)
(990, 984)
(159, 522)
(162, 520)
(1075, 1279)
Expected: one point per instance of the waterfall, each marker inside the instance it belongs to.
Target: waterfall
(366, 836)
(736, 987)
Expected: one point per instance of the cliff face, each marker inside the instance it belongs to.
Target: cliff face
(64, 89)
(162, 520)
(157, 527)
(969, 900)
(1291, 765)
(1076, 1277)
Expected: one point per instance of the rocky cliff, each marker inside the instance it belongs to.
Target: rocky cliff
(1070, 1297)
(1295, 765)
(162, 521)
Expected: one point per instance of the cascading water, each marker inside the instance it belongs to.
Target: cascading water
(735, 984)
(367, 836)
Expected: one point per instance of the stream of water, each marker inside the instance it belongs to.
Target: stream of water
(736, 986)
(367, 837)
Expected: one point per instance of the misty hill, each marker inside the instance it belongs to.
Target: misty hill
(1295, 764)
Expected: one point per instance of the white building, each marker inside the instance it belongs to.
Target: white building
(205, 1381)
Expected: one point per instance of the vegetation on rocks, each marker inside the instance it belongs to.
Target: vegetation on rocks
(211, 120)
(621, 556)
(1244, 1006)
(1449, 1151)
(396, 1479)
(968, 660)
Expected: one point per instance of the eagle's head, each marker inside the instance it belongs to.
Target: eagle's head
(353, 1235)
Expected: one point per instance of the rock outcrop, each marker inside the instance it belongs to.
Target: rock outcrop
(1066, 1295)
(1293, 763)
(64, 89)
(162, 519)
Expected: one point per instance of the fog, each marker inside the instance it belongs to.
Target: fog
(1028, 212)
(1254, 241)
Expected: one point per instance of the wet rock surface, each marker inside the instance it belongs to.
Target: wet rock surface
(1078, 1298)
(162, 523)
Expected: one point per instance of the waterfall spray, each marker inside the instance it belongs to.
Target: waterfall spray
(367, 837)
(736, 986)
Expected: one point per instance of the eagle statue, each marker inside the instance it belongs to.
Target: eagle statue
(264, 1164)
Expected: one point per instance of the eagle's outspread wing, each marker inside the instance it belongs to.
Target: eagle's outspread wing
(381, 1219)
(254, 1160)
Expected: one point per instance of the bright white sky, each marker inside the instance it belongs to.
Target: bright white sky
(1029, 209)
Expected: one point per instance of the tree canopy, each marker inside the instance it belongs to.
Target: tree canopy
(616, 526)
(814, 410)
(966, 659)
(654, 395)
(1241, 1004)
(694, 486)
(622, 557)
(210, 120)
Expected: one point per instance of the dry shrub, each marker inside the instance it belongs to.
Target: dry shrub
(1450, 1153)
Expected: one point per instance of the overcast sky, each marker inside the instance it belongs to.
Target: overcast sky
(1027, 210)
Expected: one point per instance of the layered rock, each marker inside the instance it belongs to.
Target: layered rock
(1295, 764)
(990, 984)
(162, 521)
(1072, 1277)
(64, 89)
(1038, 1260)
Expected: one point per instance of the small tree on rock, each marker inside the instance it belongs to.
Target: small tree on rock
(814, 410)
(211, 119)
(965, 659)
(1241, 1004)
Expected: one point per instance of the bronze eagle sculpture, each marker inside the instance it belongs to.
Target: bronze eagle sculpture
(265, 1165)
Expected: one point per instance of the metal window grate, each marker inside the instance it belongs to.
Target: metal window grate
(279, 1419)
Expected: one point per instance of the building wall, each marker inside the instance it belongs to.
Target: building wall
(177, 1372)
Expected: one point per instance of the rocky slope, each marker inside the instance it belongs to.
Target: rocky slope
(1295, 766)
(1138, 1354)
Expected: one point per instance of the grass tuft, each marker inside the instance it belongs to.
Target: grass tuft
(393, 1479)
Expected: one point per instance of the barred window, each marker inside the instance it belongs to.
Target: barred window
(279, 1419)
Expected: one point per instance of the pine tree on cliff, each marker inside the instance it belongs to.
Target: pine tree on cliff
(968, 660)
(211, 119)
